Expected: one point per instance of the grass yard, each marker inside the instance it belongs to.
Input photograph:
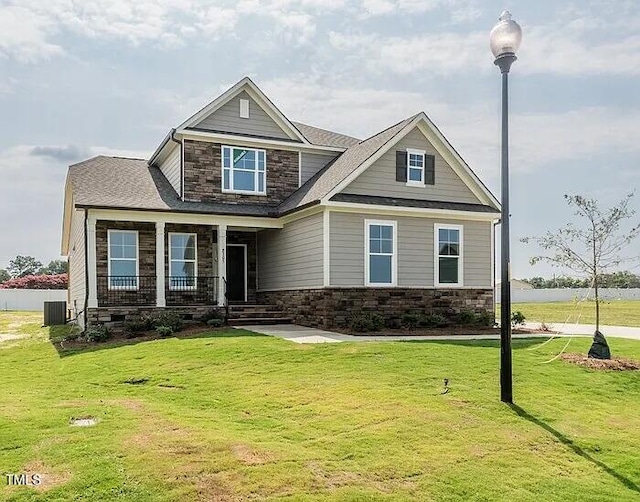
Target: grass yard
(613, 313)
(235, 416)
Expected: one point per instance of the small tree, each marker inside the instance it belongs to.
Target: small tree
(24, 265)
(594, 248)
(4, 275)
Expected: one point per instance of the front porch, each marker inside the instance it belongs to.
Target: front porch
(164, 264)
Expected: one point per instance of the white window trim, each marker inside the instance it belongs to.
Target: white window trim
(422, 182)
(367, 254)
(123, 288)
(231, 169)
(436, 255)
(195, 263)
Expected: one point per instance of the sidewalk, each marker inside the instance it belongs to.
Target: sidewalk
(589, 329)
(302, 334)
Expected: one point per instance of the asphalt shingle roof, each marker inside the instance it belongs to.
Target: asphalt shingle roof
(116, 182)
(323, 137)
(418, 203)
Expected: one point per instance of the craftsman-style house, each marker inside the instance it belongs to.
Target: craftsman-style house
(241, 206)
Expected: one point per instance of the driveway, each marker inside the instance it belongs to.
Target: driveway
(589, 329)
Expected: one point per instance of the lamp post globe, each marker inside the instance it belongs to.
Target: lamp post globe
(505, 39)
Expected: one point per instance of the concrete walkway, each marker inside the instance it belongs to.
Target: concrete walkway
(302, 334)
(589, 329)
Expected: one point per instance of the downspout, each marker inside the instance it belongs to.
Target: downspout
(86, 266)
(180, 145)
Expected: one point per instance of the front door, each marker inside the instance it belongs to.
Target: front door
(237, 272)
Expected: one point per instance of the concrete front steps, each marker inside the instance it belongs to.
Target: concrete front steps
(242, 314)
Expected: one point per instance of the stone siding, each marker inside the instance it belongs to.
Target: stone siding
(333, 307)
(115, 317)
(203, 175)
(146, 264)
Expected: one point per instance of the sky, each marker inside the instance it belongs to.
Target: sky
(113, 76)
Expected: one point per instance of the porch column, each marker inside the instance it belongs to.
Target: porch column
(222, 261)
(160, 268)
(92, 286)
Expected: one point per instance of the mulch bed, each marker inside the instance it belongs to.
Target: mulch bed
(615, 363)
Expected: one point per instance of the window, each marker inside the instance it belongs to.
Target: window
(380, 259)
(182, 261)
(448, 254)
(415, 167)
(122, 259)
(243, 170)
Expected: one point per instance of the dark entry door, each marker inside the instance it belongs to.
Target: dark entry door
(236, 273)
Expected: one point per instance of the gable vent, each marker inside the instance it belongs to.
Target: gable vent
(244, 108)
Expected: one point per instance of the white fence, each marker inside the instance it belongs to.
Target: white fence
(568, 294)
(30, 299)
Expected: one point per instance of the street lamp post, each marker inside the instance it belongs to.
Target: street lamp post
(505, 40)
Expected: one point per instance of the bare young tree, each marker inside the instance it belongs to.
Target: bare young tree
(595, 246)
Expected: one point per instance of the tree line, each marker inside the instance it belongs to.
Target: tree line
(622, 280)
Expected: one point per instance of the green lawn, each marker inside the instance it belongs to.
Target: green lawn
(236, 416)
(613, 313)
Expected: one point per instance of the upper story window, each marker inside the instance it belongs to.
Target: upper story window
(122, 259)
(183, 263)
(415, 167)
(448, 255)
(381, 254)
(243, 170)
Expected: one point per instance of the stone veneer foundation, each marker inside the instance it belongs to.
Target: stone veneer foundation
(115, 317)
(333, 307)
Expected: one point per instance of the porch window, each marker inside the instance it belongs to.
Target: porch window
(182, 261)
(448, 254)
(243, 170)
(123, 259)
(381, 246)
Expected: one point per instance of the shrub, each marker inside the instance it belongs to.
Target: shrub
(58, 281)
(138, 324)
(213, 314)
(170, 319)
(410, 320)
(97, 333)
(486, 319)
(517, 318)
(215, 323)
(433, 321)
(367, 322)
(466, 317)
(164, 330)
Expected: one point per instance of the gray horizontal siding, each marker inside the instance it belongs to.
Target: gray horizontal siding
(415, 250)
(170, 167)
(291, 257)
(227, 119)
(380, 177)
(311, 163)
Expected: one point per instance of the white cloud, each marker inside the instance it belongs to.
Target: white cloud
(23, 35)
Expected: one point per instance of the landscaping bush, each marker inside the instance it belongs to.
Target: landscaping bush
(466, 317)
(486, 319)
(215, 322)
(433, 321)
(97, 334)
(517, 318)
(169, 319)
(164, 330)
(367, 322)
(57, 281)
(213, 314)
(138, 324)
(410, 320)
